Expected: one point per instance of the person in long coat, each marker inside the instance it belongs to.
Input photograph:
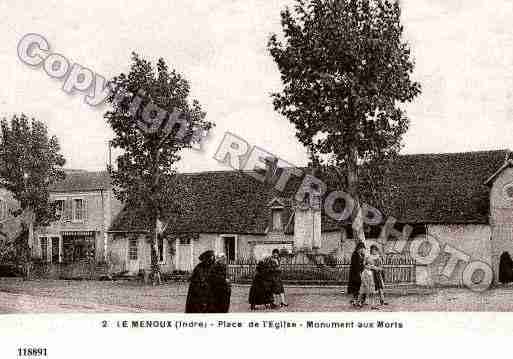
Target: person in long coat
(260, 292)
(220, 288)
(199, 294)
(355, 271)
(505, 268)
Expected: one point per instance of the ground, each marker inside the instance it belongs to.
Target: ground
(54, 296)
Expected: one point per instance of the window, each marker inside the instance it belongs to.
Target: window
(132, 248)
(277, 224)
(78, 210)
(59, 209)
(160, 245)
(44, 248)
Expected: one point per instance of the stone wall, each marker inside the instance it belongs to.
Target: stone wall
(501, 216)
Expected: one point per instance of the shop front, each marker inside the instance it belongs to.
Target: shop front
(69, 254)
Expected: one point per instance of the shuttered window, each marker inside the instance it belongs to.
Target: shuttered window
(68, 210)
(59, 209)
(79, 209)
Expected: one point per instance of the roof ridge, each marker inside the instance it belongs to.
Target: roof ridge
(455, 153)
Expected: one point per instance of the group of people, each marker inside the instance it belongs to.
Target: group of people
(209, 288)
(366, 277)
(267, 287)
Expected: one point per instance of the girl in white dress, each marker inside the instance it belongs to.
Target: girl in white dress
(368, 288)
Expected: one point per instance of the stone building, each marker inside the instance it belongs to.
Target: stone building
(86, 207)
(464, 200)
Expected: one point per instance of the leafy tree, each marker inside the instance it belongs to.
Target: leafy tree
(346, 70)
(153, 121)
(30, 161)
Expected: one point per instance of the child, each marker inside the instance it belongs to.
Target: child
(377, 273)
(368, 288)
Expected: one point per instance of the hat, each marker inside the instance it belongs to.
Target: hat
(206, 255)
(374, 247)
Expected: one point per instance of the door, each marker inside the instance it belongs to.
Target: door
(133, 255)
(56, 249)
(229, 248)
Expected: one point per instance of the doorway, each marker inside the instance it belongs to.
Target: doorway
(230, 247)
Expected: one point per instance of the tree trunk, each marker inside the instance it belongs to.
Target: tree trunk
(352, 187)
(155, 204)
(153, 241)
(29, 219)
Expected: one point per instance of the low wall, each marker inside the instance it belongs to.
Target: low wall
(80, 270)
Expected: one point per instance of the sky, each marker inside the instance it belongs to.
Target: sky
(462, 49)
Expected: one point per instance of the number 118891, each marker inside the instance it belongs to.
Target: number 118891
(31, 352)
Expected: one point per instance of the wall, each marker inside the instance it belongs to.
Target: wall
(117, 253)
(118, 248)
(501, 217)
(213, 241)
(473, 240)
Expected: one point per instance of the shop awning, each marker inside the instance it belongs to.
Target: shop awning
(78, 233)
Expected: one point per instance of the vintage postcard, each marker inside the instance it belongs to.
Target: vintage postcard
(232, 169)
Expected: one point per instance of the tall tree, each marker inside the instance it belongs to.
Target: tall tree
(153, 121)
(30, 162)
(346, 70)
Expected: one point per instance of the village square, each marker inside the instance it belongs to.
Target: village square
(167, 191)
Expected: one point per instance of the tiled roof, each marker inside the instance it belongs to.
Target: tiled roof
(425, 188)
(77, 180)
(441, 188)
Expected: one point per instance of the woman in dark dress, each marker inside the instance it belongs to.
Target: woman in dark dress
(219, 286)
(505, 268)
(277, 284)
(199, 294)
(355, 270)
(260, 292)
